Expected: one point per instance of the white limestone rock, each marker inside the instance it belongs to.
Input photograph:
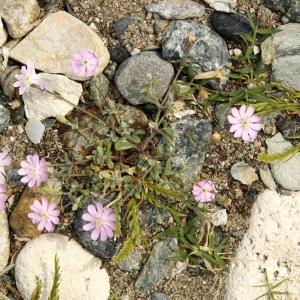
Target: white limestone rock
(53, 43)
(243, 173)
(81, 273)
(4, 240)
(34, 130)
(41, 105)
(19, 16)
(271, 244)
(222, 5)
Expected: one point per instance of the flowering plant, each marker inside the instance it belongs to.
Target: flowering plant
(204, 191)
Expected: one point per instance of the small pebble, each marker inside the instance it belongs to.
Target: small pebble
(237, 52)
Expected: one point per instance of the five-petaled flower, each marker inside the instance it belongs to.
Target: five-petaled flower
(4, 161)
(101, 220)
(34, 170)
(44, 214)
(3, 196)
(85, 63)
(204, 191)
(28, 77)
(244, 123)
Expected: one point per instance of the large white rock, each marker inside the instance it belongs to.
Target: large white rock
(81, 273)
(53, 43)
(41, 105)
(271, 244)
(4, 240)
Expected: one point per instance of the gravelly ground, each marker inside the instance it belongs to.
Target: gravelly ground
(217, 165)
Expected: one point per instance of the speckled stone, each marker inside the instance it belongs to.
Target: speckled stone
(209, 52)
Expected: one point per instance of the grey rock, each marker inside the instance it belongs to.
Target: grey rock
(8, 79)
(238, 234)
(221, 114)
(19, 16)
(267, 178)
(4, 117)
(121, 25)
(289, 8)
(230, 25)
(131, 263)
(243, 173)
(37, 101)
(177, 9)
(286, 173)
(160, 24)
(110, 70)
(157, 266)
(281, 50)
(17, 114)
(96, 84)
(55, 41)
(103, 249)
(160, 296)
(81, 274)
(192, 161)
(4, 238)
(286, 126)
(209, 52)
(139, 71)
(34, 129)
(154, 215)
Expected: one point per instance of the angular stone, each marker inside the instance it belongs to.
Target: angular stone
(209, 52)
(131, 263)
(157, 266)
(243, 173)
(222, 5)
(230, 25)
(289, 8)
(139, 71)
(19, 16)
(282, 51)
(54, 42)
(177, 9)
(4, 240)
(270, 245)
(34, 130)
(285, 172)
(267, 178)
(19, 221)
(3, 34)
(81, 273)
(193, 160)
(4, 117)
(121, 25)
(41, 105)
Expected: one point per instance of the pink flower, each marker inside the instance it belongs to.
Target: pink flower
(44, 215)
(102, 219)
(204, 191)
(4, 161)
(34, 170)
(243, 123)
(85, 63)
(3, 197)
(28, 77)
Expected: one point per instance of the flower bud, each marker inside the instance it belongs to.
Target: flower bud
(216, 137)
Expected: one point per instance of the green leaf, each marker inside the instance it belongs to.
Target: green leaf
(250, 20)
(270, 158)
(268, 31)
(55, 287)
(105, 174)
(122, 144)
(261, 98)
(206, 256)
(193, 240)
(139, 132)
(246, 37)
(145, 89)
(150, 99)
(135, 139)
(191, 72)
(36, 295)
(235, 76)
(170, 231)
(168, 138)
(165, 192)
(244, 70)
(261, 88)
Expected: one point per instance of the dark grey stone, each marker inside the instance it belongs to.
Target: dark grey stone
(110, 70)
(121, 25)
(4, 117)
(139, 71)
(17, 114)
(238, 234)
(160, 296)
(118, 54)
(230, 25)
(286, 126)
(157, 265)
(192, 161)
(209, 52)
(103, 249)
(290, 8)
(151, 215)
